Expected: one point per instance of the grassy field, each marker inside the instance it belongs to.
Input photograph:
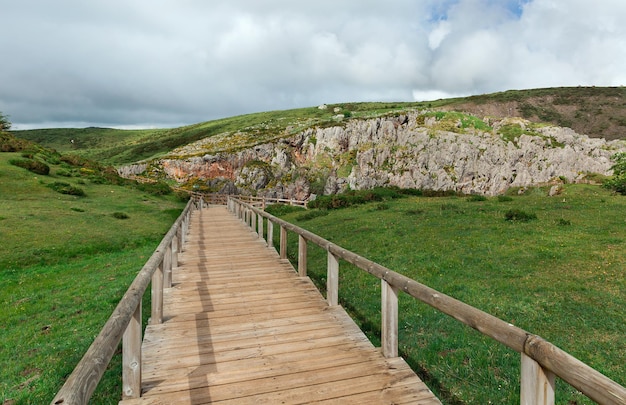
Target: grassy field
(560, 276)
(65, 262)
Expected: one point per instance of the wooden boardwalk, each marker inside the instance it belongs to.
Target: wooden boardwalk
(240, 327)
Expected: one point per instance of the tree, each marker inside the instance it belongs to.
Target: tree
(618, 182)
(5, 124)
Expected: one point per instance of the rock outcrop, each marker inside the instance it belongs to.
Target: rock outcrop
(408, 151)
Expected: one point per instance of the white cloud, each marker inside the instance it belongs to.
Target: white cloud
(113, 62)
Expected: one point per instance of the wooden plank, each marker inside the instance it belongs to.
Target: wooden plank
(244, 328)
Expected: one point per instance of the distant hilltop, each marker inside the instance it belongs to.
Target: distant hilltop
(434, 150)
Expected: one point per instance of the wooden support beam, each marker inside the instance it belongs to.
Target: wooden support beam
(332, 280)
(302, 256)
(270, 234)
(167, 267)
(537, 383)
(389, 327)
(283, 242)
(131, 357)
(156, 315)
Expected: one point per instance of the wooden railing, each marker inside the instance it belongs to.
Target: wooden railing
(222, 199)
(541, 361)
(125, 322)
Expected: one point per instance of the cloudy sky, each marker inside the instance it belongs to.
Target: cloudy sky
(158, 63)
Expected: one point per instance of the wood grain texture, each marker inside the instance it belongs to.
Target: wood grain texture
(241, 327)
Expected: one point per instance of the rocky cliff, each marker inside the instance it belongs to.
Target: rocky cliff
(435, 151)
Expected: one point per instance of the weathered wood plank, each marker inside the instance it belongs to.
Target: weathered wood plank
(240, 326)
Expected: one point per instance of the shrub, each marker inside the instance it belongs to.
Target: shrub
(311, 215)
(66, 188)
(282, 209)
(476, 198)
(64, 173)
(516, 215)
(120, 215)
(353, 197)
(31, 165)
(618, 182)
(563, 222)
(415, 212)
(382, 207)
(158, 188)
(504, 198)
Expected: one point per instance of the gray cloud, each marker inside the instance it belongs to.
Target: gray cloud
(165, 63)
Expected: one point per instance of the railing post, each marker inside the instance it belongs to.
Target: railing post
(389, 318)
(332, 280)
(156, 316)
(131, 357)
(260, 226)
(302, 252)
(536, 383)
(270, 234)
(253, 222)
(167, 267)
(283, 242)
(174, 252)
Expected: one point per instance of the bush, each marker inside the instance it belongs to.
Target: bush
(66, 188)
(120, 215)
(476, 198)
(563, 222)
(618, 182)
(516, 215)
(504, 198)
(158, 188)
(34, 166)
(310, 215)
(64, 173)
(353, 197)
(282, 209)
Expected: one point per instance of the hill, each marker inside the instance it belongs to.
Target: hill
(594, 111)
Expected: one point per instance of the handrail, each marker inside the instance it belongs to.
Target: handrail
(221, 199)
(125, 321)
(541, 360)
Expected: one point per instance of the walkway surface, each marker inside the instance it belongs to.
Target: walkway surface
(240, 327)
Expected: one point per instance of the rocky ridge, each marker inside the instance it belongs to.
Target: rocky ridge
(413, 150)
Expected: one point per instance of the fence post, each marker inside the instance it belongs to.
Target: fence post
(302, 253)
(253, 221)
(270, 234)
(131, 357)
(260, 226)
(174, 252)
(536, 383)
(389, 315)
(167, 267)
(156, 315)
(283, 242)
(332, 280)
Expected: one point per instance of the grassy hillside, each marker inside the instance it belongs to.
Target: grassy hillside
(117, 147)
(595, 111)
(65, 261)
(560, 275)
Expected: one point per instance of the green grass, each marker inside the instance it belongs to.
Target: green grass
(65, 262)
(560, 276)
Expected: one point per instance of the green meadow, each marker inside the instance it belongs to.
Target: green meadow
(65, 262)
(556, 271)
